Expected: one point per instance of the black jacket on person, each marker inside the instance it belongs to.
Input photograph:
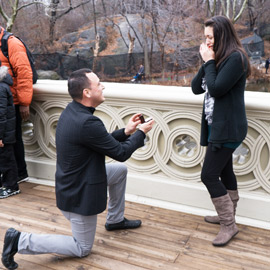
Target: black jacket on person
(267, 62)
(7, 109)
(227, 85)
(82, 142)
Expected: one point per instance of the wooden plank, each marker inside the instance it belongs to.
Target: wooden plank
(232, 255)
(246, 233)
(142, 260)
(166, 240)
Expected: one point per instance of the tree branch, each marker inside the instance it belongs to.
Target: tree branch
(132, 29)
(120, 31)
(72, 8)
(4, 15)
(241, 11)
(228, 8)
(212, 11)
(167, 28)
(234, 6)
(29, 4)
(223, 6)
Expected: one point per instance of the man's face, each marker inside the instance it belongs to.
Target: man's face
(96, 90)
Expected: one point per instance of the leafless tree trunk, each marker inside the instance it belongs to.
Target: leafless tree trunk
(158, 32)
(145, 43)
(95, 53)
(97, 41)
(55, 14)
(53, 18)
(111, 20)
(251, 15)
(151, 48)
(94, 16)
(232, 12)
(257, 11)
(130, 51)
(123, 13)
(212, 9)
(15, 7)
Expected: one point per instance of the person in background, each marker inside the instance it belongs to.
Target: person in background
(8, 166)
(141, 72)
(139, 75)
(82, 176)
(267, 62)
(22, 91)
(222, 79)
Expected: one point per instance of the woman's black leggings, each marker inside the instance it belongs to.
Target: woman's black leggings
(217, 172)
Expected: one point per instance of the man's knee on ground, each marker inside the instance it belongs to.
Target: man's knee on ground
(85, 250)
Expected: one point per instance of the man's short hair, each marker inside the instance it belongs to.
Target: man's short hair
(78, 81)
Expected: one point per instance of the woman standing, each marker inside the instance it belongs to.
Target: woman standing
(222, 78)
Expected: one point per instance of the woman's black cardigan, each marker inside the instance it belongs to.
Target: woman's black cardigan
(227, 85)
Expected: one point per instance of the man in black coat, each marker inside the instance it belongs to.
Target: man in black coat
(82, 176)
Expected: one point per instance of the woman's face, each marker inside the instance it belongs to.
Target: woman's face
(209, 36)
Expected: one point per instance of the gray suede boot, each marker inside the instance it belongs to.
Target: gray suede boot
(234, 197)
(228, 228)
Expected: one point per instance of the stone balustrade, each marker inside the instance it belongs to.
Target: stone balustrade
(166, 171)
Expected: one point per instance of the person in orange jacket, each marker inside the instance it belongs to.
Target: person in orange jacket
(22, 91)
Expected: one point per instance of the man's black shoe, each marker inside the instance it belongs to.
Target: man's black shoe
(125, 224)
(10, 248)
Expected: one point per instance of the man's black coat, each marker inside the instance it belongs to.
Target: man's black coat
(82, 142)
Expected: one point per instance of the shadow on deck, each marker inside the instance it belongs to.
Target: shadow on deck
(167, 240)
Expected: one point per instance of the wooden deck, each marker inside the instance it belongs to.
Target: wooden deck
(167, 240)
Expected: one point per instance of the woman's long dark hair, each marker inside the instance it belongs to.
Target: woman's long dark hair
(226, 40)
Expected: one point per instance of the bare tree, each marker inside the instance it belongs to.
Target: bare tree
(252, 15)
(145, 39)
(124, 13)
(55, 13)
(97, 40)
(232, 9)
(257, 12)
(130, 50)
(14, 7)
(53, 17)
(163, 15)
(154, 27)
(212, 7)
(112, 19)
(125, 7)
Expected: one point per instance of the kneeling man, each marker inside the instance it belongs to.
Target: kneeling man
(82, 177)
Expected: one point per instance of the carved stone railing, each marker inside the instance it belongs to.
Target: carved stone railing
(166, 171)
